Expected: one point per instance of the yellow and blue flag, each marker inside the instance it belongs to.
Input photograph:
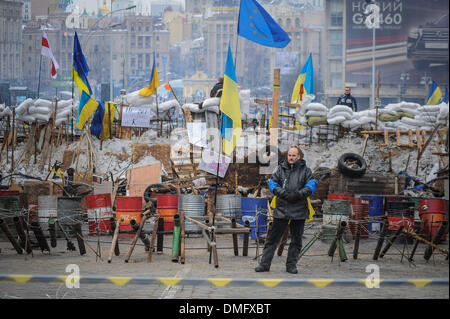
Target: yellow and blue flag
(80, 69)
(305, 82)
(100, 125)
(154, 81)
(445, 98)
(87, 106)
(256, 25)
(231, 124)
(435, 94)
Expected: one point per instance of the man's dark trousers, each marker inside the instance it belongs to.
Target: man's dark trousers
(273, 239)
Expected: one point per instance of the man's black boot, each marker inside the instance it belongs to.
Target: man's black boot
(262, 268)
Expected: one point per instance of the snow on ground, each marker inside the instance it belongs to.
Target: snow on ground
(316, 155)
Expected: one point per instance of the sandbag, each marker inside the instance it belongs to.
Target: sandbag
(316, 107)
(388, 117)
(412, 122)
(346, 115)
(410, 105)
(443, 110)
(387, 111)
(6, 112)
(366, 113)
(351, 123)
(41, 117)
(45, 103)
(134, 99)
(340, 108)
(27, 118)
(393, 106)
(336, 120)
(23, 107)
(409, 111)
(64, 113)
(367, 119)
(38, 110)
(316, 113)
(64, 103)
(317, 120)
(429, 108)
(405, 114)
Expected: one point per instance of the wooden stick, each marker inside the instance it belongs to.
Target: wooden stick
(152, 242)
(114, 241)
(235, 239)
(413, 234)
(245, 244)
(398, 137)
(182, 239)
(365, 145)
(283, 241)
(136, 237)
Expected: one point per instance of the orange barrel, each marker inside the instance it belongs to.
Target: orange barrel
(340, 196)
(167, 206)
(128, 208)
(360, 211)
(432, 212)
(99, 212)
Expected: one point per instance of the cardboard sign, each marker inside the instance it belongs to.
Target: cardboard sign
(209, 163)
(136, 117)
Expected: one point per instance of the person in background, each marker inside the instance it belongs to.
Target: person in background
(216, 91)
(348, 99)
(292, 183)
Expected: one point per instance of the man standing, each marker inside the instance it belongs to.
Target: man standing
(216, 91)
(347, 99)
(292, 183)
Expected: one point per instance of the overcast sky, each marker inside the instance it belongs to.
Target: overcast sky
(91, 5)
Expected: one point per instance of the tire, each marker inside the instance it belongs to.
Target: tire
(319, 176)
(349, 170)
(148, 191)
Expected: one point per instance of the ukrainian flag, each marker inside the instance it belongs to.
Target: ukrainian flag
(256, 25)
(100, 123)
(154, 81)
(80, 69)
(231, 125)
(86, 108)
(435, 94)
(305, 82)
(110, 112)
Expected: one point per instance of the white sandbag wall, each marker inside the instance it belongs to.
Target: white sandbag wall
(403, 115)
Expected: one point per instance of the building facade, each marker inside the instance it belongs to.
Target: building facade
(11, 40)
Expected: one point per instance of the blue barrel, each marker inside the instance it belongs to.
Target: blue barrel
(254, 210)
(375, 209)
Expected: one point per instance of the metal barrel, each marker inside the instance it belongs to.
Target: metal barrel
(229, 206)
(192, 205)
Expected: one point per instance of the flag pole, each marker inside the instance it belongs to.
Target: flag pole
(39, 78)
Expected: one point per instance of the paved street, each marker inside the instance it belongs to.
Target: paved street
(315, 264)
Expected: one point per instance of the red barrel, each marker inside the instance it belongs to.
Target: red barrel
(167, 207)
(394, 222)
(360, 211)
(432, 212)
(9, 193)
(99, 212)
(340, 196)
(128, 207)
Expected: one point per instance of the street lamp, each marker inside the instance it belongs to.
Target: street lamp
(426, 80)
(404, 77)
(111, 90)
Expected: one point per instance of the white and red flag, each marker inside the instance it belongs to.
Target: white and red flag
(46, 51)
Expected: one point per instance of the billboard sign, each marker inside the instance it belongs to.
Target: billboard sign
(412, 37)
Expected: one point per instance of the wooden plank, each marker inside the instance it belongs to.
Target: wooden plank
(441, 158)
(411, 144)
(419, 143)
(386, 137)
(398, 137)
(265, 102)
